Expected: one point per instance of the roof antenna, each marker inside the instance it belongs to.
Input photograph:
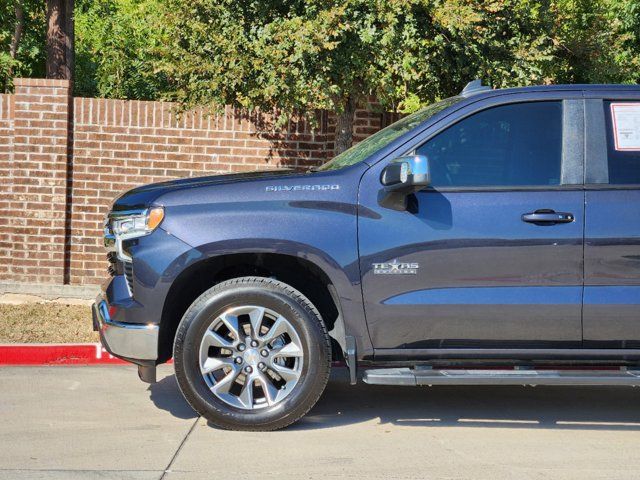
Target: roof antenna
(473, 87)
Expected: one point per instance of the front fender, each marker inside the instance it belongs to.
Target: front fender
(322, 233)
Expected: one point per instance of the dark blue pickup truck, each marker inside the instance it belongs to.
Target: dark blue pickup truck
(490, 238)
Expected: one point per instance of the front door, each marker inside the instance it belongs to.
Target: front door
(491, 255)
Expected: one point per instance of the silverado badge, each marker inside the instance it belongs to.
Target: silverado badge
(299, 188)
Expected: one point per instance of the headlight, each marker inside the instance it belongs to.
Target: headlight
(136, 224)
(121, 226)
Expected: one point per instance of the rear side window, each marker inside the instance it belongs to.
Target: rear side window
(623, 141)
(510, 145)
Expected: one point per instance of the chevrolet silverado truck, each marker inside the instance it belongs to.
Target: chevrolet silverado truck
(489, 238)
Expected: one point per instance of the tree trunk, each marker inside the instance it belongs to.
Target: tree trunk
(59, 39)
(18, 28)
(344, 126)
(70, 37)
(17, 34)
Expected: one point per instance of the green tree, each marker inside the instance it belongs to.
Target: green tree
(624, 20)
(116, 45)
(302, 54)
(22, 40)
(299, 55)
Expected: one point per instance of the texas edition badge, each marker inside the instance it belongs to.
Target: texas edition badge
(395, 268)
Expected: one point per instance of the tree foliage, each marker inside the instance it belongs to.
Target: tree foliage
(116, 41)
(329, 54)
(301, 54)
(29, 56)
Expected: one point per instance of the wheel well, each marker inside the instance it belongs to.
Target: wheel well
(301, 274)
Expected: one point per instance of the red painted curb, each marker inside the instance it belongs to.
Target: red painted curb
(56, 354)
(64, 354)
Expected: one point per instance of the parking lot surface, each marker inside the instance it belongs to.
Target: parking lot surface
(102, 422)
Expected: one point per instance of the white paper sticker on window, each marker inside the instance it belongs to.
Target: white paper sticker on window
(626, 125)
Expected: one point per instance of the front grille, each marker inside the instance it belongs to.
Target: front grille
(113, 263)
(128, 275)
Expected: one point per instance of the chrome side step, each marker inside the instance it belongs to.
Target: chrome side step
(428, 376)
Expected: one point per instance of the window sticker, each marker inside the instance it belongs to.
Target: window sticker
(626, 126)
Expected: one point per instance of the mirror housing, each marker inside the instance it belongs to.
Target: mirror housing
(402, 177)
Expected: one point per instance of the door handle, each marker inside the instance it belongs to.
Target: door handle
(546, 217)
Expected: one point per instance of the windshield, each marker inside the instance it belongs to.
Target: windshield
(375, 142)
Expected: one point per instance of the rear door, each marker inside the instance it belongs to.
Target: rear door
(612, 228)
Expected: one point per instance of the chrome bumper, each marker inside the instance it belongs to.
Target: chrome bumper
(128, 340)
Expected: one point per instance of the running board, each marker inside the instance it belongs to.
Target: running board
(428, 376)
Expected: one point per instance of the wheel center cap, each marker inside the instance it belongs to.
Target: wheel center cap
(251, 356)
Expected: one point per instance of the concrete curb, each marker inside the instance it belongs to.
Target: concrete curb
(56, 354)
(88, 292)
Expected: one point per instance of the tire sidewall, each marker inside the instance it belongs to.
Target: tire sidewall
(198, 319)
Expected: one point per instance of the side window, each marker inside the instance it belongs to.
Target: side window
(510, 145)
(623, 141)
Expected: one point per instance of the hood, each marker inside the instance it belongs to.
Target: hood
(142, 197)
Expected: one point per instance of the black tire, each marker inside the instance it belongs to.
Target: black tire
(280, 297)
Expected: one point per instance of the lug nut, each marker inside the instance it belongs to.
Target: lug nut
(241, 347)
(248, 369)
(238, 360)
(261, 365)
(264, 353)
(254, 343)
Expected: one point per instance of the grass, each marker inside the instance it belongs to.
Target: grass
(46, 323)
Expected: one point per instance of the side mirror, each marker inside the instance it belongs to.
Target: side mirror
(408, 174)
(402, 177)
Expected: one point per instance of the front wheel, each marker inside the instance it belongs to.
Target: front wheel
(252, 353)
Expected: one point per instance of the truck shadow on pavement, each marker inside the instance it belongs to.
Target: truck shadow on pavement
(165, 394)
(572, 408)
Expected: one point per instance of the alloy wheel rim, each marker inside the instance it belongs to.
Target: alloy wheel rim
(251, 357)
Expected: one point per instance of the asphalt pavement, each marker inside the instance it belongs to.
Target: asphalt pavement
(102, 422)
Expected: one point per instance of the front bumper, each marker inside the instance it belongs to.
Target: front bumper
(136, 343)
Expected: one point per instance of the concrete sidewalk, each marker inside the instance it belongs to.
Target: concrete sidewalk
(102, 422)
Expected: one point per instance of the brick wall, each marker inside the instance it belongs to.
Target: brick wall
(64, 160)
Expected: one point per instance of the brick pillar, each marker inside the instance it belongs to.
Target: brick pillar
(6, 155)
(37, 190)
